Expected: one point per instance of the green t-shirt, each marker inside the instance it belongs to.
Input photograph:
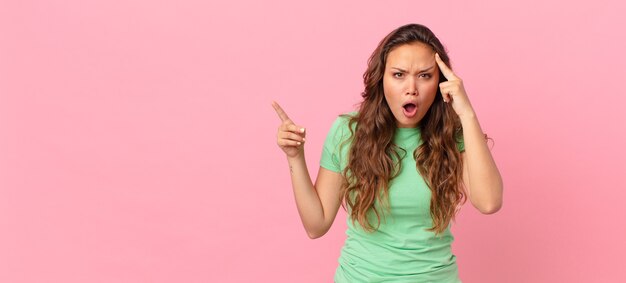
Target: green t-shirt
(400, 250)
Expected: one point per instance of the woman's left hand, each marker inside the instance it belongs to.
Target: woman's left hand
(454, 91)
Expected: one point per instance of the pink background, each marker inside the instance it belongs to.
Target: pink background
(137, 140)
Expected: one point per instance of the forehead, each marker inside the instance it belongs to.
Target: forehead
(411, 55)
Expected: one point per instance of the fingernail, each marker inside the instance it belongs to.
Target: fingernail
(303, 139)
(299, 143)
(302, 130)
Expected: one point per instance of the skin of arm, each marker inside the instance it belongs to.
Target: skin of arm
(481, 177)
(317, 204)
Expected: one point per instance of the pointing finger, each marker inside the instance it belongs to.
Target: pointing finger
(445, 70)
(281, 113)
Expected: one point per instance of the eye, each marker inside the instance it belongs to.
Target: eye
(397, 75)
(425, 76)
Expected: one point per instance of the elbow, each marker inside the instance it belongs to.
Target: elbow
(492, 204)
(314, 236)
(490, 209)
(316, 233)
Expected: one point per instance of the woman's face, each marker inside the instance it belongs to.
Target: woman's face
(410, 82)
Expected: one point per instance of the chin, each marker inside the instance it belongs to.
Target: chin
(408, 124)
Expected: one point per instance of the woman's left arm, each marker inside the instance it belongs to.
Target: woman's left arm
(480, 173)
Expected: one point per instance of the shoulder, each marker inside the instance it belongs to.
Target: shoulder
(337, 143)
(342, 125)
(344, 119)
(341, 129)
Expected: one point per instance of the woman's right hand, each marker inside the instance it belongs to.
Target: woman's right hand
(290, 137)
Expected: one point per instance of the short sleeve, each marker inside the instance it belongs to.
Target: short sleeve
(334, 153)
(460, 144)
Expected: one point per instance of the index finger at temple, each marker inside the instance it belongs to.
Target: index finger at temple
(445, 70)
(281, 113)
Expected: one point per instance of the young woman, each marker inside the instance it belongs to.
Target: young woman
(402, 165)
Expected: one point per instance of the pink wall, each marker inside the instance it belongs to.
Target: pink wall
(137, 140)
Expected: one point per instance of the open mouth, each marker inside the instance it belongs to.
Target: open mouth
(410, 109)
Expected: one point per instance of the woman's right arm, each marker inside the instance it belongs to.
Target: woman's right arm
(317, 204)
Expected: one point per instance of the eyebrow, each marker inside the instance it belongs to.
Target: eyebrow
(404, 71)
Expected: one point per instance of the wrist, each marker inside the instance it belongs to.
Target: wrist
(466, 117)
(297, 158)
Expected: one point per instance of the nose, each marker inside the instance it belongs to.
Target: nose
(411, 88)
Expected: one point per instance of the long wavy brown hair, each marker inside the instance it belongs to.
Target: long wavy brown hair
(373, 158)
